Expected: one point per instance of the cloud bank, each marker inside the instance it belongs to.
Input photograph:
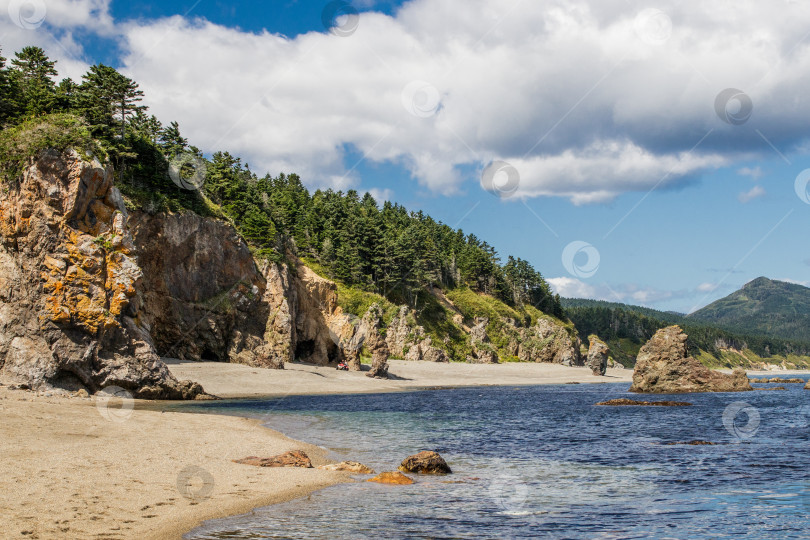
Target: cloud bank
(586, 99)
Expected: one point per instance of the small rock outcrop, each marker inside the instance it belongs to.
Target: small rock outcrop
(425, 462)
(70, 285)
(347, 466)
(408, 340)
(546, 341)
(597, 355)
(807, 386)
(294, 458)
(482, 350)
(663, 366)
(392, 477)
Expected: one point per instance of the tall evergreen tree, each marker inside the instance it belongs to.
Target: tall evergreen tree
(33, 71)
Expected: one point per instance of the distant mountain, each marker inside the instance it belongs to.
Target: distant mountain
(763, 306)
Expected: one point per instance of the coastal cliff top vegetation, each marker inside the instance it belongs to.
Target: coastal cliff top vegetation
(384, 250)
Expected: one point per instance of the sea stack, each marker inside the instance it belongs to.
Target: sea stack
(663, 366)
(597, 355)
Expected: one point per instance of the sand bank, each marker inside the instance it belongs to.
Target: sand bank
(73, 468)
(235, 380)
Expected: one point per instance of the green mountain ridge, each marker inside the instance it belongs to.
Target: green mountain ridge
(762, 306)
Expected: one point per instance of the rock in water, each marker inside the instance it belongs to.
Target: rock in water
(807, 386)
(663, 366)
(348, 466)
(632, 402)
(425, 462)
(393, 477)
(294, 458)
(597, 355)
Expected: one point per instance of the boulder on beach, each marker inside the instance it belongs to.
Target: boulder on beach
(347, 466)
(294, 458)
(392, 477)
(663, 366)
(597, 355)
(425, 462)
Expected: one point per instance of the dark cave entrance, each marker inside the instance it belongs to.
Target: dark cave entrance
(209, 356)
(304, 349)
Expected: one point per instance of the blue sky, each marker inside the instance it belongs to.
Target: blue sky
(606, 110)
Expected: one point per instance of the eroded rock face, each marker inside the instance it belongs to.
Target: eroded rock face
(597, 355)
(546, 341)
(482, 351)
(408, 340)
(663, 366)
(69, 284)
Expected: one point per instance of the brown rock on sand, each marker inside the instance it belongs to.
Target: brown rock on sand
(393, 477)
(663, 366)
(348, 466)
(425, 462)
(294, 458)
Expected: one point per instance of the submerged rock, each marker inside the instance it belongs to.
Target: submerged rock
(625, 401)
(691, 443)
(425, 462)
(294, 458)
(597, 355)
(393, 477)
(663, 366)
(347, 466)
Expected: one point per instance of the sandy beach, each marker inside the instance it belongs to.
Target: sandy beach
(72, 469)
(87, 468)
(235, 380)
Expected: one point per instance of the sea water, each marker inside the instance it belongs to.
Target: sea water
(546, 462)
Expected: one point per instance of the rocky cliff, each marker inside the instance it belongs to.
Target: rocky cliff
(69, 284)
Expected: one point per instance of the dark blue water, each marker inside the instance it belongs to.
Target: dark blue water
(546, 462)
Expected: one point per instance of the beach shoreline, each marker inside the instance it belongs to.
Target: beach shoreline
(240, 381)
(83, 467)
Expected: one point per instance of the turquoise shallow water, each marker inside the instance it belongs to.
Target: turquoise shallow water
(545, 462)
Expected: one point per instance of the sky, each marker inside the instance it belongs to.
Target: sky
(651, 153)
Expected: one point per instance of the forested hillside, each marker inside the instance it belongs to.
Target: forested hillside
(628, 327)
(762, 306)
(383, 249)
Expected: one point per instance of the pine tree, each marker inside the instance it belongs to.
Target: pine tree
(33, 71)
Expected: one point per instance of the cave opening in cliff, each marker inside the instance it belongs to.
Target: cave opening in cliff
(304, 349)
(210, 356)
